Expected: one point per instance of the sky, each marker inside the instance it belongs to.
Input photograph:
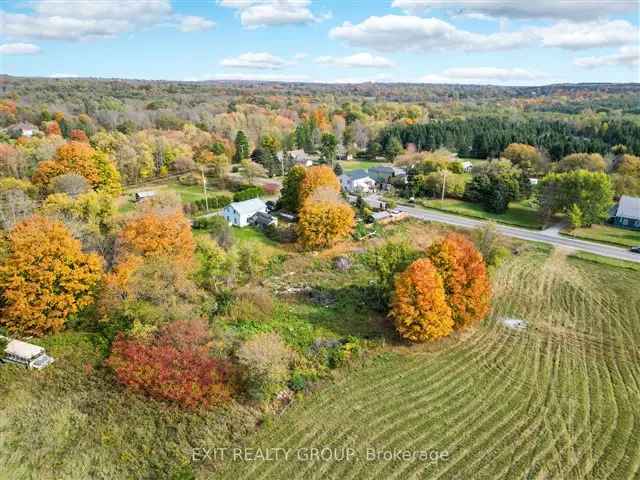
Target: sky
(512, 42)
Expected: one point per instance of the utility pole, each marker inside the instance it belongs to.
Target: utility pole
(444, 182)
(204, 189)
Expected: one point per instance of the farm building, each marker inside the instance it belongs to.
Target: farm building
(239, 213)
(627, 213)
(357, 181)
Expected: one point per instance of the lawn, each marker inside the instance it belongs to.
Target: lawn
(608, 234)
(360, 164)
(520, 214)
(555, 400)
(187, 193)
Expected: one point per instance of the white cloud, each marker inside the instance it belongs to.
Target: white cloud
(400, 32)
(484, 75)
(259, 60)
(381, 77)
(576, 36)
(190, 23)
(538, 9)
(267, 77)
(411, 33)
(261, 13)
(19, 49)
(74, 20)
(300, 56)
(60, 28)
(359, 60)
(629, 56)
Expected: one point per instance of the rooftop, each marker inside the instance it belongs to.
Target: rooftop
(23, 349)
(249, 207)
(629, 207)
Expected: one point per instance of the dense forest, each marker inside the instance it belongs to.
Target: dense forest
(486, 137)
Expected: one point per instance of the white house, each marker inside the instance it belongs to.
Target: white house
(467, 166)
(238, 213)
(24, 129)
(27, 354)
(357, 181)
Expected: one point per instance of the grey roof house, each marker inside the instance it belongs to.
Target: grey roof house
(239, 213)
(627, 213)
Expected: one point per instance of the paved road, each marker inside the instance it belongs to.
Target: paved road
(551, 236)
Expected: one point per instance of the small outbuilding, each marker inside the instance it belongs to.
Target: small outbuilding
(467, 166)
(140, 196)
(239, 213)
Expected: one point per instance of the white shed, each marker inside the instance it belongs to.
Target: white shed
(238, 213)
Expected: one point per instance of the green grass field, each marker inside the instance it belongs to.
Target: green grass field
(187, 193)
(520, 214)
(608, 234)
(556, 400)
(360, 164)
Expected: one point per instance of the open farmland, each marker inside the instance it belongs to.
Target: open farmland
(555, 400)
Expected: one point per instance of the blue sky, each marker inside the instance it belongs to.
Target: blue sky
(515, 42)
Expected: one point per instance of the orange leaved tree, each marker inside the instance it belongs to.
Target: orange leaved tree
(465, 278)
(324, 219)
(315, 178)
(72, 157)
(80, 158)
(46, 277)
(419, 308)
(158, 233)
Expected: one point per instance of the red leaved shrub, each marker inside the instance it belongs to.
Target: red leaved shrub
(174, 364)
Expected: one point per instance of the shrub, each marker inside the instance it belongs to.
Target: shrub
(419, 308)
(271, 188)
(265, 361)
(214, 202)
(386, 261)
(247, 194)
(173, 365)
(465, 278)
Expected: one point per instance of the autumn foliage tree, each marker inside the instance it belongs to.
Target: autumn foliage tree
(158, 233)
(80, 158)
(324, 219)
(419, 306)
(173, 364)
(45, 278)
(464, 274)
(317, 177)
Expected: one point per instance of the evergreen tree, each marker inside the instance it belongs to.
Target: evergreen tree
(242, 147)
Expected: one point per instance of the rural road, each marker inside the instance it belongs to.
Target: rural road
(550, 236)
